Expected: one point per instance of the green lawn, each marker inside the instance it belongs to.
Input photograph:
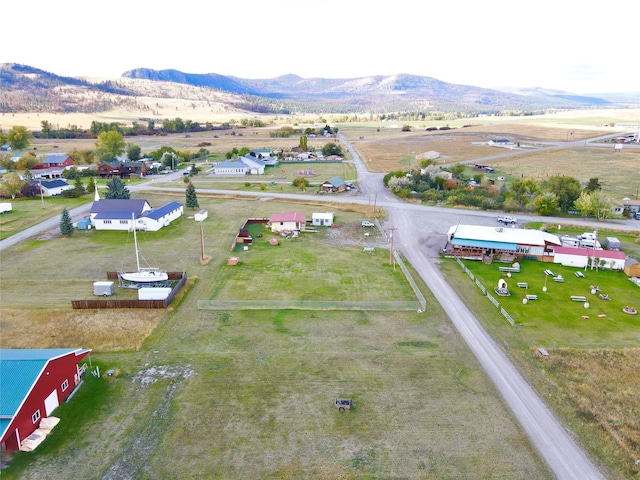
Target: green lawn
(27, 212)
(554, 319)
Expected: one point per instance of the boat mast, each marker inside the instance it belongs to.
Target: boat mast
(135, 240)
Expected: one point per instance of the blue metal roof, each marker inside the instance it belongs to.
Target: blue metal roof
(55, 183)
(161, 211)
(465, 242)
(19, 370)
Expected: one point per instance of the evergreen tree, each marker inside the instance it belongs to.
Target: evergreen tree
(191, 196)
(66, 227)
(78, 187)
(117, 189)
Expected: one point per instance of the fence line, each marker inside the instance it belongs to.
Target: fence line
(132, 303)
(507, 316)
(493, 300)
(414, 285)
(305, 305)
(487, 294)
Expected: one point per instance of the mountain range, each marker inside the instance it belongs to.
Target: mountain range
(26, 89)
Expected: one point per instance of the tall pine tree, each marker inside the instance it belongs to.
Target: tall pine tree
(66, 227)
(117, 189)
(191, 197)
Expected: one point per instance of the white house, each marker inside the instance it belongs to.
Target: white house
(53, 188)
(324, 219)
(230, 168)
(256, 166)
(156, 218)
(287, 222)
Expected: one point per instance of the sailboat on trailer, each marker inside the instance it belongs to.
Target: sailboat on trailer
(142, 275)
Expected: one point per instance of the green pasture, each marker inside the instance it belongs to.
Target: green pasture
(28, 212)
(554, 319)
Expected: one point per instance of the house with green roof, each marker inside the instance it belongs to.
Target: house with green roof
(33, 382)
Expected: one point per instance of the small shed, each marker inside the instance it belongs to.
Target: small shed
(632, 267)
(84, 224)
(201, 215)
(323, 219)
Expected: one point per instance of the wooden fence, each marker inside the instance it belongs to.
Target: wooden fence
(113, 303)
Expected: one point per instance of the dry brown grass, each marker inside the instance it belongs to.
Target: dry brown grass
(389, 149)
(104, 330)
(600, 388)
(615, 171)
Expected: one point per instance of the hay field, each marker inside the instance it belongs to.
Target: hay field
(387, 149)
(616, 171)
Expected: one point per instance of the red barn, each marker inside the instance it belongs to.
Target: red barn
(32, 385)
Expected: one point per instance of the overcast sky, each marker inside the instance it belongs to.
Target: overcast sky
(559, 44)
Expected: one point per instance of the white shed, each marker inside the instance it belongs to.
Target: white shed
(324, 219)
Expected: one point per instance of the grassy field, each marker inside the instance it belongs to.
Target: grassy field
(27, 212)
(249, 394)
(202, 393)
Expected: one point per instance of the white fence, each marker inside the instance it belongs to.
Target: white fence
(491, 298)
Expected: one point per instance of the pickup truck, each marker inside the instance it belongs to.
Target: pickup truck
(505, 220)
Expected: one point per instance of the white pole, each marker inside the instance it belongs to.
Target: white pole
(135, 240)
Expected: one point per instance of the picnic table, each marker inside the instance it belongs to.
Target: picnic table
(523, 285)
(579, 274)
(578, 298)
(532, 297)
(558, 279)
(510, 269)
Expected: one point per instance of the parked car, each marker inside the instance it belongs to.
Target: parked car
(636, 215)
(367, 223)
(505, 220)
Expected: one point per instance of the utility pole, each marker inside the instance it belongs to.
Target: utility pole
(41, 193)
(201, 243)
(391, 260)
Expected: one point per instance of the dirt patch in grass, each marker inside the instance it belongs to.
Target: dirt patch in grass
(101, 330)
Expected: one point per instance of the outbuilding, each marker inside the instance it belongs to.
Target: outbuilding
(589, 258)
(322, 219)
(33, 382)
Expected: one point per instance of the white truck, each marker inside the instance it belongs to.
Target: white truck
(506, 220)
